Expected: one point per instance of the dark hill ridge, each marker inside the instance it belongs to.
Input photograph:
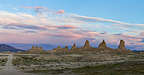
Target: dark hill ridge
(5, 48)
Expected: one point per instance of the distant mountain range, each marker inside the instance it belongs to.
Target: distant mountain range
(28, 46)
(6, 48)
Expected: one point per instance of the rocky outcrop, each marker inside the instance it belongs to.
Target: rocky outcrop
(35, 49)
(60, 50)
(87, 44)
(66, 47)
(122, 45)
(57, 48)
(102, 45)
(73, 47)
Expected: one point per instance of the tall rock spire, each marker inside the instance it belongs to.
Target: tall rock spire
(87, 44)
(122, 45)
(74, 46)
(33, 46)
(102, 44)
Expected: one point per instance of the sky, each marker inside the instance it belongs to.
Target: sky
(64, 22)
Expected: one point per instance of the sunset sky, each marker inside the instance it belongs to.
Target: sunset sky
(57, 22)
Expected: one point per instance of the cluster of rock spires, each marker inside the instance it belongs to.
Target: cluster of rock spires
(102, 45)
(36, 49)
(87, 45)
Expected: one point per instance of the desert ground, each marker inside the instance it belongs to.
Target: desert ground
(103, 63)
(77, 61)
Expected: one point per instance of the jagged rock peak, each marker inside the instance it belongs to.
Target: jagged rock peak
(74, 46)
(87, 44)
(122, 45)
(102, 44)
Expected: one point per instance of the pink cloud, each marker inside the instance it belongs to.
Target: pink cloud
(142, 34)
(62, 27)
(36, 7)
(60, 12)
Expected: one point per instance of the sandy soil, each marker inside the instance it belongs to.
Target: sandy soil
(9, 69)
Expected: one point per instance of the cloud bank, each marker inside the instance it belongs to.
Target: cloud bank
(56, 27)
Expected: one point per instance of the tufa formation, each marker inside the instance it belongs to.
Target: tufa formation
(102, 45)
(73, 47)
(122, 45)
(87, 44)
(36, 49)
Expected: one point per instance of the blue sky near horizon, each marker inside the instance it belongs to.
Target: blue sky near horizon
(127, 10)
(72, 20)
